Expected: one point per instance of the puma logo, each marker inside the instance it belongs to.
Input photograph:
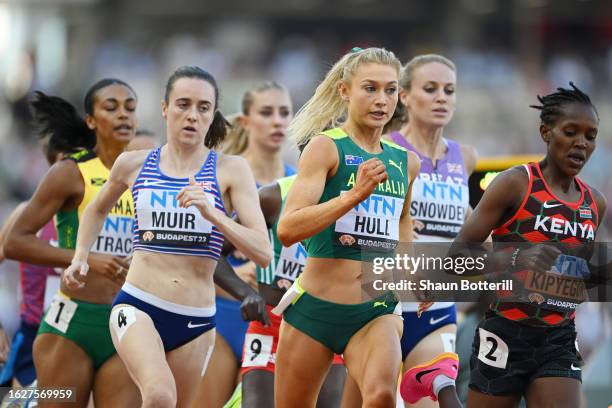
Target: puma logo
(397, 166)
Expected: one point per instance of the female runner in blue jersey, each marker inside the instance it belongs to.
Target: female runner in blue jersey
(163, 317)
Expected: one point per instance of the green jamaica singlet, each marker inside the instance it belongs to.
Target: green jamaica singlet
(372, 226)
(115, 238)
(85, 323)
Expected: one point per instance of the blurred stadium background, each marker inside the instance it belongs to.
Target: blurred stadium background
(506, 51)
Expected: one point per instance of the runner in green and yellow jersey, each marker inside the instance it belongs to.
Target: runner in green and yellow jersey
(258, 361)
(74, 346)
(349, 202)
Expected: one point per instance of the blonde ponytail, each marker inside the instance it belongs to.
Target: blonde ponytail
(326, 108)
(237, 138)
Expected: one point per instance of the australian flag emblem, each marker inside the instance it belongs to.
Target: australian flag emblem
(351, 160)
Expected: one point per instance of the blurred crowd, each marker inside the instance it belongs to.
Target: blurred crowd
(499, 74)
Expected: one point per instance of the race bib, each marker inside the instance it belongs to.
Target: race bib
(372, 224)
(573, 266)
(161, 220)
(493, 350)
(60, 313)
(121, 319)
(440, 205)
(290, 265)
(257, 350)
(115, 238)
(554, 291)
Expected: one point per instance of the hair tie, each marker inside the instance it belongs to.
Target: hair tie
(355, 50)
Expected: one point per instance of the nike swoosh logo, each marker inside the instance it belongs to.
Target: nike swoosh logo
(575, 368)
(149, 183)
(422, 373)
(546, 205)
(433, 321)
(191, 325)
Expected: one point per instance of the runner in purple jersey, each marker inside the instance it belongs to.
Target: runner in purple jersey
(440, 205)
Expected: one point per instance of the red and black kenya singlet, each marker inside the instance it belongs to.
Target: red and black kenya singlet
(549, 298)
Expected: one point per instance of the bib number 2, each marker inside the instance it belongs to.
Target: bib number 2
(493, 350)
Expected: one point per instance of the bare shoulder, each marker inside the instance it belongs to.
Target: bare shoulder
(320, 151)
(269, 192)
(63, 179)
(414, 164)
(601, 201)
(512, 182)
(231, 162)
(270, 202)
(233, 173)
(320, 143)
(65, 168)
(131, 160)
(128, 164)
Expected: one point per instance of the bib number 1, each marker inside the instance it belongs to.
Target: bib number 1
(60, 313)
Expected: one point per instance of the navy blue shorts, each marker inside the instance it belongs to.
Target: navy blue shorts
(175, 327)
(230, 324)
(417, 328)
(20, 363)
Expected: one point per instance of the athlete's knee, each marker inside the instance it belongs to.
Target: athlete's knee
(159, 395)
(379, 395)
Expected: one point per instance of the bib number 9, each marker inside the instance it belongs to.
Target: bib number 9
(257, 350)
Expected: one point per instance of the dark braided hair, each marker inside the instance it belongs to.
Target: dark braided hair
(59, 124)
(550, 110)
